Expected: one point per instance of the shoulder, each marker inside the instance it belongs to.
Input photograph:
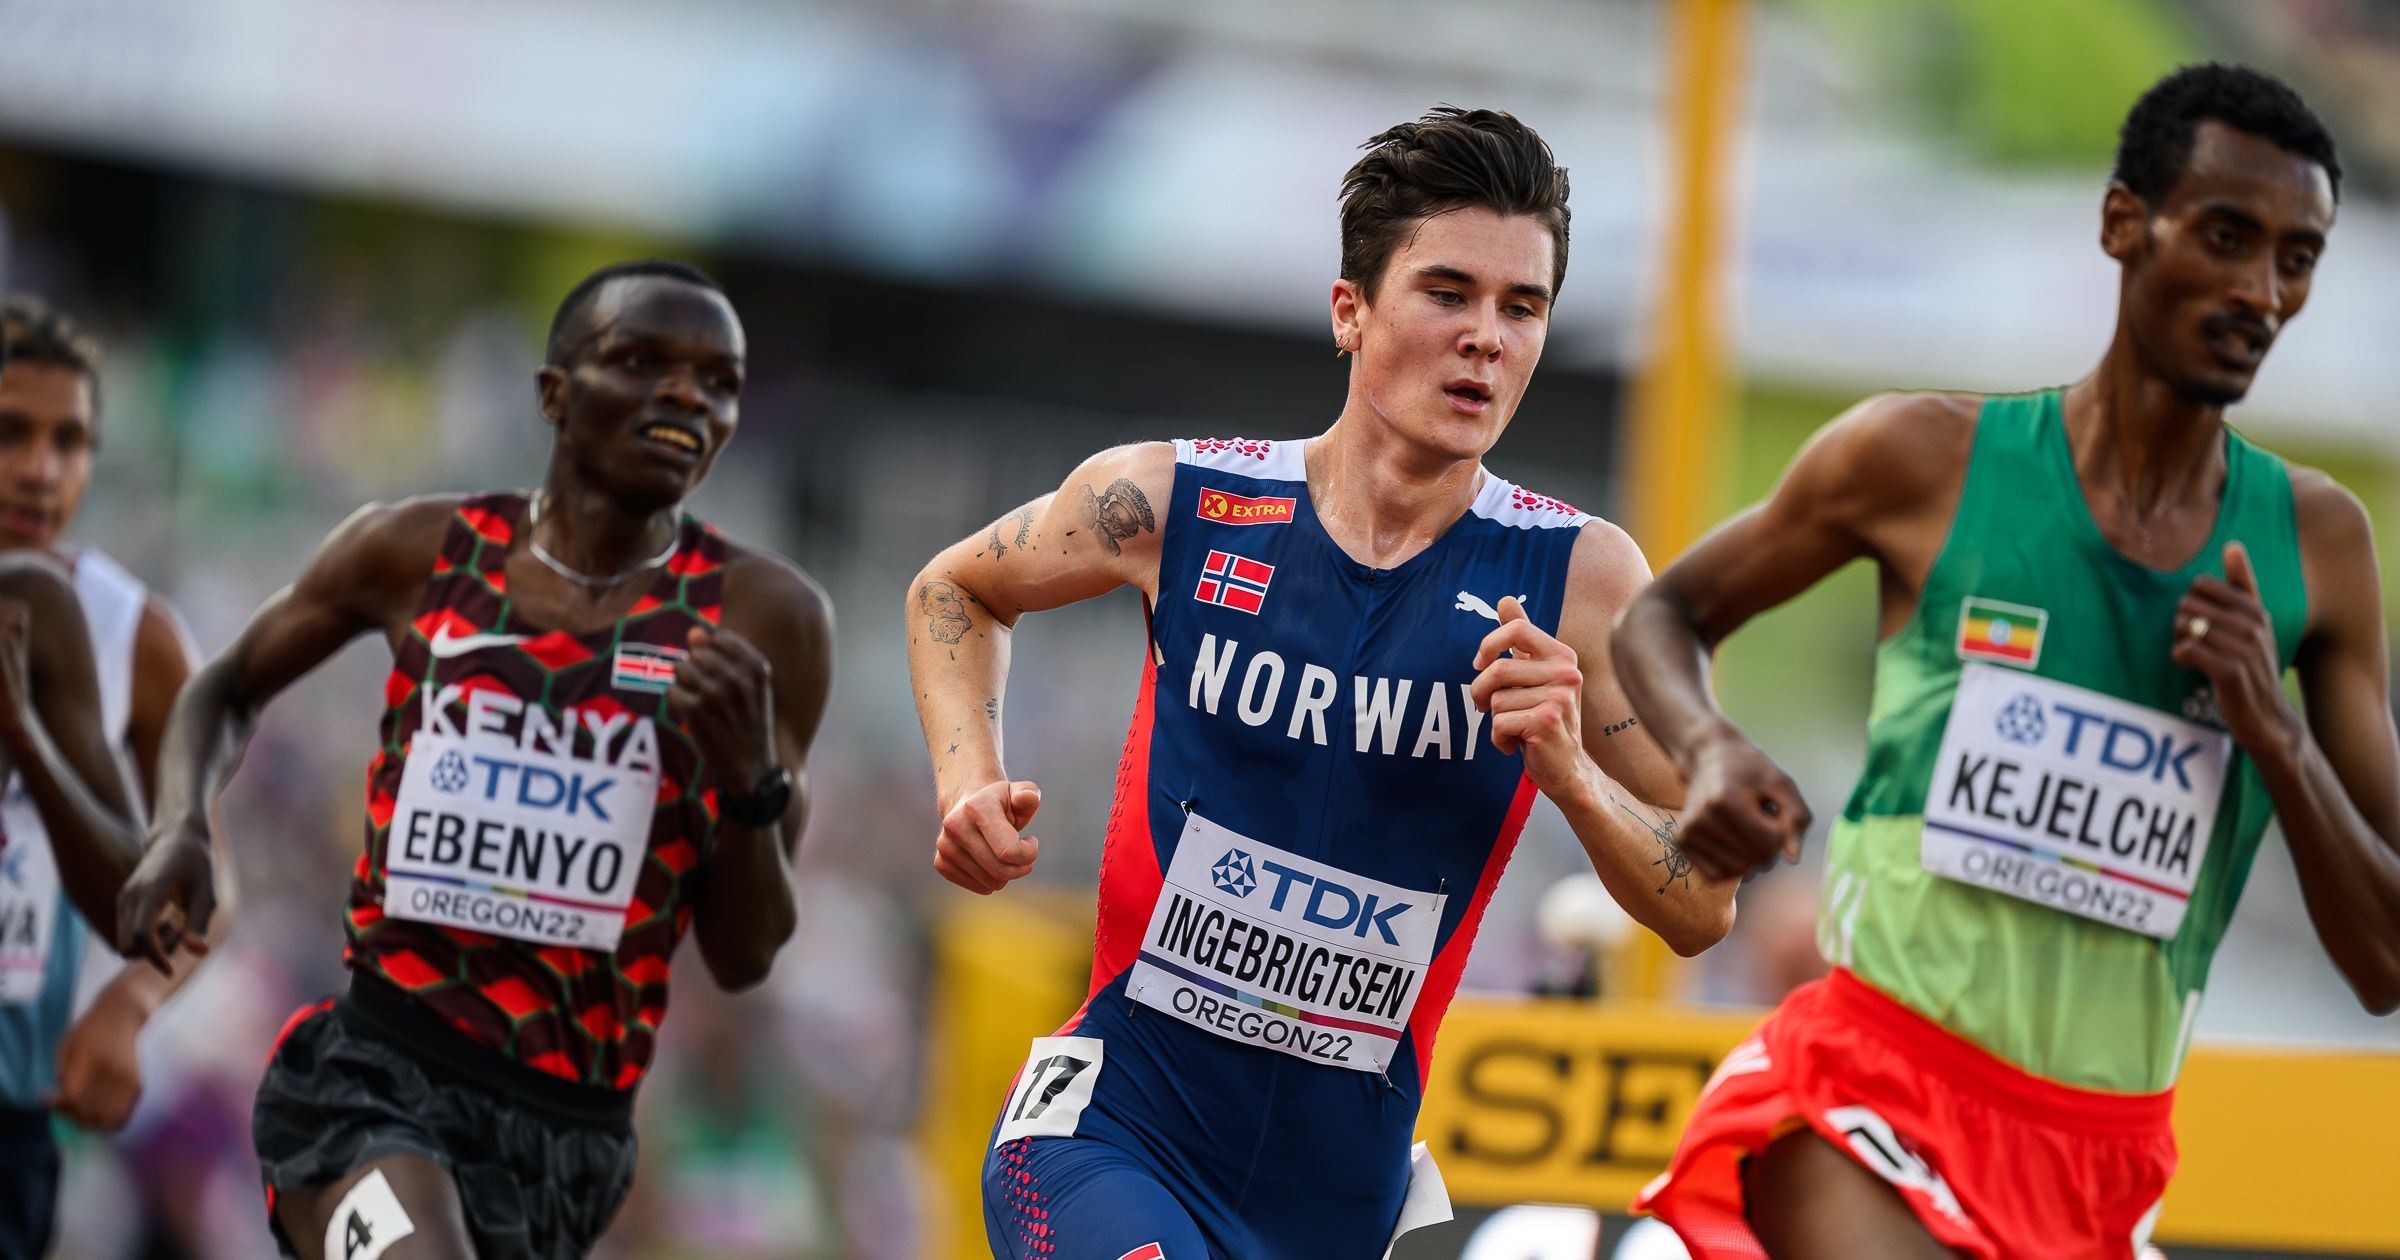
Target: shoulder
(399, 530)
(2327, 512)
(1891, 454)
(162, 640)
(774, 601)
(2337, 551)
(1898, 430)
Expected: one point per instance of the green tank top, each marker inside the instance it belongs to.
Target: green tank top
(2052, 827)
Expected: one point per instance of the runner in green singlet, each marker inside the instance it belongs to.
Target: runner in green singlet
(2089, 598)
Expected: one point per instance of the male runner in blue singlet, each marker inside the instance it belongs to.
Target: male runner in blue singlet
(1367, 654)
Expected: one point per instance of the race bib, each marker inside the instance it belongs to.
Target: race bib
(1052, 1090)
(2074, 800)
(518, 839)
(1272, 949)
(29, 897)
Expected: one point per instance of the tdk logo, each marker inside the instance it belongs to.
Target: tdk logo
(2121, 746)
(2021, 721)
(1234, 873)
(534, 787)
(450, 773)
(1330, 905)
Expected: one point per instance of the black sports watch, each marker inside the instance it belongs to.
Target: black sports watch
(764, 803)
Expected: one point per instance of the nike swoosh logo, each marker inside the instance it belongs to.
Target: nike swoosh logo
(447, 645)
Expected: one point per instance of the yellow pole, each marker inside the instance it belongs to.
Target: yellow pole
(1678, 421)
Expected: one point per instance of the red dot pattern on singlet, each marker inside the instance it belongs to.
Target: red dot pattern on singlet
(1519, 497)
(1255, 448)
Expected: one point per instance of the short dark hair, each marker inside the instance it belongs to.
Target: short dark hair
(1450, 159)
(2156, 142)
(33, 331)
(566, 325)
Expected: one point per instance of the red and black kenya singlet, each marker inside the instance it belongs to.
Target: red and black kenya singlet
(509, 883)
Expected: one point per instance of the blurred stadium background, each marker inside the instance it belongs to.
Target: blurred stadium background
(976, 239)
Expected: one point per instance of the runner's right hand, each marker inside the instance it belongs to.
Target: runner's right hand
(168, 900)
(1741, 810)
(982, 845)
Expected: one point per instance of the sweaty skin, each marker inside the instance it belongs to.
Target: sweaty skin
(2211, 274)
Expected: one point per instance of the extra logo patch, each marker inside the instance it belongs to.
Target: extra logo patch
(644, 667)
(1226, 508)
(1234, 581)
(2009, 634)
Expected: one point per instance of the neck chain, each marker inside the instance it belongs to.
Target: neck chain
(533, 520)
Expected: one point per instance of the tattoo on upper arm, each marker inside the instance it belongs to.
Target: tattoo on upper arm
(991, 709)
(1024, 525)
(946, 616)
(1024, 520)
(1118, 513)
(1675, 867)
(1617, 727)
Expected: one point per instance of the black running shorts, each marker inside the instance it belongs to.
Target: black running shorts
(541, 1164)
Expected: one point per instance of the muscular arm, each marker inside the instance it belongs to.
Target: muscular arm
(1622, 812)
(1097, 532)
(2336, 783)
(163, 657)
(745, 910)
(365, 577)
(1880, 482)
(61, 749)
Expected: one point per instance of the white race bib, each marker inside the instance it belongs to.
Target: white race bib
(2074, 800)
(1272, 949)
(29, 896)
(516, 840)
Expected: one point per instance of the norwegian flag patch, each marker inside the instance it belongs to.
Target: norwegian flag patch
(644, 667)
(1234, 581)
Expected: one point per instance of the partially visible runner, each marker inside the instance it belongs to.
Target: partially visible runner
(49, 436)
(2089, 598)
(1367, 653)
(68, 833)
(593, 738)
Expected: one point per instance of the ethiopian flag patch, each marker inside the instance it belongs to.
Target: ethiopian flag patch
(1989, 630)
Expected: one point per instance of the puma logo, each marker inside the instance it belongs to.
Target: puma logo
(1469, 603)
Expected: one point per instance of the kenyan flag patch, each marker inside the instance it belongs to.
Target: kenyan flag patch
(644, 667)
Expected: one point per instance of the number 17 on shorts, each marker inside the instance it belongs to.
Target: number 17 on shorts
(1053, 1090)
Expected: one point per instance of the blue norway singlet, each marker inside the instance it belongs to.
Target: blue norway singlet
(1310, 817)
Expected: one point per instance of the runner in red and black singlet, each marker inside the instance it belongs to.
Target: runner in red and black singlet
(594, 731)
(583, 1014)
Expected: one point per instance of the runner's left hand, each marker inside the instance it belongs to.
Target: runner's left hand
(724, 695)
(1533, 689)
(2222, 630)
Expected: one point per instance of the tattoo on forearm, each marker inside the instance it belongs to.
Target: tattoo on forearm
(1024, 525)
(946, 616)
(998, 548)
(1676, 868)
(1118, 513)
(991, 709)
(1616, 727)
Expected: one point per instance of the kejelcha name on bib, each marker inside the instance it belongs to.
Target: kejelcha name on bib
(2072, 799)
(520, 824)
(1269, 948)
